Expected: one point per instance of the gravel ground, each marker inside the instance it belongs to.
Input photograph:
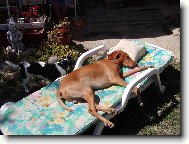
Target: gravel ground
(154, 34)
(164, 31)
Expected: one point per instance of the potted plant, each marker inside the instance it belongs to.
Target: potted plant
(58, 35)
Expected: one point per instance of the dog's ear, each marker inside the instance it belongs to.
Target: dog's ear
(120, 56)
(114, 55)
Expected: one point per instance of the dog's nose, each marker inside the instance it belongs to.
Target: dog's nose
(132, 64)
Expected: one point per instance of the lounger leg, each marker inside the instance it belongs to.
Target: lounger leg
(98, 129)
(159, 86)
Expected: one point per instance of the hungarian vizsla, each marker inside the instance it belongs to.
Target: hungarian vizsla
(79, 85)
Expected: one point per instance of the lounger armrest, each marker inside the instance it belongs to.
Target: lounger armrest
(85, 55)
(128, 90)
(88, 54)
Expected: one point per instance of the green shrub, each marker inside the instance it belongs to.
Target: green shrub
(44, 51)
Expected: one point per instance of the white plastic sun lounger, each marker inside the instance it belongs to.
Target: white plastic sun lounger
(40, 114)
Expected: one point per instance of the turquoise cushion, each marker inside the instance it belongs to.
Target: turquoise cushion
(40, 114)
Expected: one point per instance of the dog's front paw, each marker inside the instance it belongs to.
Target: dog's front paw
(112, 111)
(142, 68)
(146, 67)
(109, 124)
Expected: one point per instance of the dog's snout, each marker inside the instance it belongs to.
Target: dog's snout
(129, 63)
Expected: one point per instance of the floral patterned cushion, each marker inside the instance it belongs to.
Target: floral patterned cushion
(40, 114)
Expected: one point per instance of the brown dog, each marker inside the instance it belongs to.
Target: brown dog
(79, 84)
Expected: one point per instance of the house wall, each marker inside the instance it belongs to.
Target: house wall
(125, 3)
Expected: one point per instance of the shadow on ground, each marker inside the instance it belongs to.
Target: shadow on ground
(127, 32)
(130, 23)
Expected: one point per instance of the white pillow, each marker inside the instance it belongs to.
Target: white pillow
(134, 51)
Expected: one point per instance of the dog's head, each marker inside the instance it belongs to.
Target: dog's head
(122, 58)
(68, 63)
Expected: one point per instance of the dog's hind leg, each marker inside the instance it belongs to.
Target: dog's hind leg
(106, 109)
(89, 97)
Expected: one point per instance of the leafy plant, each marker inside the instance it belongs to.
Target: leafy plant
(43, 52)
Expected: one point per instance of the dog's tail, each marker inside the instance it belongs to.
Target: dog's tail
(12, 65)
(62, 102)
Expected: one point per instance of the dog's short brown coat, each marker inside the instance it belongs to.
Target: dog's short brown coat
(79, 84)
